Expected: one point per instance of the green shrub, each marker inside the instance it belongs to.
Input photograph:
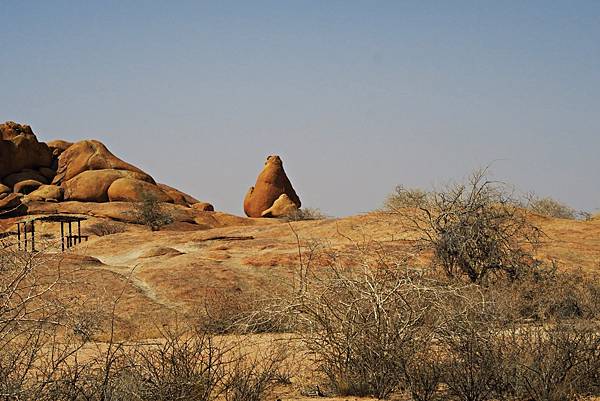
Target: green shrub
(151, 213)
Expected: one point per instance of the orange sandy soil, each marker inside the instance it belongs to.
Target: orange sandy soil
(162, 277)
(165, 275)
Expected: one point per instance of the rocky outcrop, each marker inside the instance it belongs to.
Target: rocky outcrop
(11, 205)
(178, 197)
(89, 155)
(203, 207)
(13, 179)
(48, 173)
(11, 201)
(134, 190)
(93, 185)
(34, 175)
(26, 187)
(160, 251)
(271, 183)
(20, 149)
(47, 193)
(59, 146)
(282, 207)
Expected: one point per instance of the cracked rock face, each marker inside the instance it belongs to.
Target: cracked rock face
(271, 184)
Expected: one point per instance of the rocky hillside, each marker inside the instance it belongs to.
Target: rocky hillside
(84, 178)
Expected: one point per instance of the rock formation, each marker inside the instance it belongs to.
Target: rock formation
(38, 178)
(271, 183)
(88, 155)
(178, 197)
(58, 146)
(134, 190)
(27, 186)
(203, 207)
(12, 180)
(282, 207)
(47, 193)
(93, 185)
(20, 149)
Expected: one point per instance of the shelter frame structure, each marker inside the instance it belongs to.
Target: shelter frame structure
(67, 236)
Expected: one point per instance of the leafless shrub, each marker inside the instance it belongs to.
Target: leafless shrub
(556, 362)
(31, 316)
(553, 208)
(475, 230)
(473, 364)
(227, 311)
(545, 295)
(406, 198)
(150, 212)
(184, 366)
(493, 355)
(423, 374)
(362, 322)
(253, 377)
(103, 228)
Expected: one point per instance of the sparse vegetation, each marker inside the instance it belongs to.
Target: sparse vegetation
(406, 198)
(150, 213)
(364, 319)
(306, 214)
(103, 228)
(475, 230)
(553, 208)
(378, 326)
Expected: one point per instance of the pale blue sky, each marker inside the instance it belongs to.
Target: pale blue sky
(356, 96)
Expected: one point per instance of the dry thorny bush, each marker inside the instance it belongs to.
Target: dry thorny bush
(103, 228)
(475, 230)
(369, 322)
(376, 325)
(45, 356)
(380, 327)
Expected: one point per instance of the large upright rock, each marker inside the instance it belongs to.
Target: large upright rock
(88, 155)
(271, 183)
(20, 149)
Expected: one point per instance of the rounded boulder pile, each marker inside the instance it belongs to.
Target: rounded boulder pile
(34, 174)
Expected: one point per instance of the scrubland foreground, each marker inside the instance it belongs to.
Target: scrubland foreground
(464, 296)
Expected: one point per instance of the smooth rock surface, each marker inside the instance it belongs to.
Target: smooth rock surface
(271, 183)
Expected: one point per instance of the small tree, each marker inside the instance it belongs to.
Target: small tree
(406, 198)
(475, 229)
(151, 213)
